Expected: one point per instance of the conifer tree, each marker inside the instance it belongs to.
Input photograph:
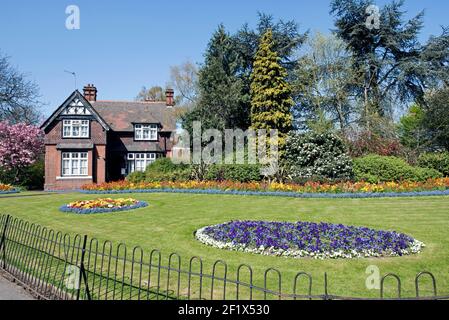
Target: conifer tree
(271, 100)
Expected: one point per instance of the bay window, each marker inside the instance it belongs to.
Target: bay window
(75, 129)
(139, 161)
(74, 164)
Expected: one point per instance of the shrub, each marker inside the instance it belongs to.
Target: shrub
(319, 156)
(375, 168)
(163, 169)
(136, 177)
(366, 142)
(437, 161)
(234, 172)
(31, 177)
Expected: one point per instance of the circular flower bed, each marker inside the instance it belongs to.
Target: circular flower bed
(307, 239)
(103, 205)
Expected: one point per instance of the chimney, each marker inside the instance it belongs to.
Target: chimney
(169, 97)
(90, 92)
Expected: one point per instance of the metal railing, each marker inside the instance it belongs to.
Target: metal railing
(55, 265)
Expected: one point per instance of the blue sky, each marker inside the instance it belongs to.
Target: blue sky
(123, 45)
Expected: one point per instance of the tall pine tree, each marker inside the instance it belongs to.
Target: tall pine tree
(221, 98)
(271, 100)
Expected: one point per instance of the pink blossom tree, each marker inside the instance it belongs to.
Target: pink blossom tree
(20, 146)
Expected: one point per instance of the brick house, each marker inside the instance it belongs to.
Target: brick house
(93, 141)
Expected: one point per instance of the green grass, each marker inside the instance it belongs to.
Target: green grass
(170, 220)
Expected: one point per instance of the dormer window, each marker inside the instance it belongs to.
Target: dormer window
(75, 129)
(145, 132)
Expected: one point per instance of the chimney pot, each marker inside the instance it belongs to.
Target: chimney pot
(90, 92)
(169, 97)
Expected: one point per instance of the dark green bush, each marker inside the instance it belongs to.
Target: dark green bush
(33, 177)
(438, 161)
(234, 172)
(30, 178)
(375, 168)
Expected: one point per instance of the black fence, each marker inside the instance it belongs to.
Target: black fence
(54, 265)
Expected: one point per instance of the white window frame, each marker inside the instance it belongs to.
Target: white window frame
(68, 127)
(139, 161)
(74, 164)
(145, 132)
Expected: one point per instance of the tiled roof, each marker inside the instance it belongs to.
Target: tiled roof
(120, 115)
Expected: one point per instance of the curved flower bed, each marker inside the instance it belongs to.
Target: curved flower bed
(432, 187)
(307, 239)
(6, 188)
(102, 205)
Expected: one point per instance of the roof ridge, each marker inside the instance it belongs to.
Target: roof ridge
(128, 101)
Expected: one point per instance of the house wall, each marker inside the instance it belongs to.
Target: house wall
(96, 158)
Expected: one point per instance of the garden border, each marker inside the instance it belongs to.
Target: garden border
(10, 191)
(65, 208)
(358, 195)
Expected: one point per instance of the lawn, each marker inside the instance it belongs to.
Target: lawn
(170, 220)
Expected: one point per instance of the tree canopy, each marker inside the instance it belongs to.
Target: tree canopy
(19, 96)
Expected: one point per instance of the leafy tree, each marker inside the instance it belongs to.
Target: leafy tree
(391, 65)
(436, 118)
(155, 93)
(271, 100)
(19, 97)
(411, 129)
(321, 85)
(20, 146)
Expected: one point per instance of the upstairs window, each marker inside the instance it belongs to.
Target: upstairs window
(75, 129)
(145, 132)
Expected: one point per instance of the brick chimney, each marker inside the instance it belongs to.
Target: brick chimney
(90, 92)
(169, 97)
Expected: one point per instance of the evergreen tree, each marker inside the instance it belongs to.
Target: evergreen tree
(220, 90)
(271, 100)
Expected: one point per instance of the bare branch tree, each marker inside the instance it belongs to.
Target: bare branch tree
(184, 78)
(19, 97)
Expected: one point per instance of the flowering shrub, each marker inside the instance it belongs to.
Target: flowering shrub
(307, 239)
(103, 205)
(20, 145)
(317, 156)
(429, 187)
(6, 188)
